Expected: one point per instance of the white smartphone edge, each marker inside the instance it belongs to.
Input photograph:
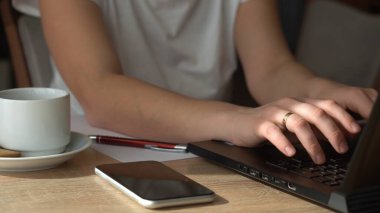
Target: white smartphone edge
(151, 204)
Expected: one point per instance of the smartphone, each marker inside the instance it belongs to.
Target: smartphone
(153, 184)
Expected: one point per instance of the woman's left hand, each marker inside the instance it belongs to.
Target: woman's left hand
(354, 99)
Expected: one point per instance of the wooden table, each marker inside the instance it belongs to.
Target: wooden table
(73, 187)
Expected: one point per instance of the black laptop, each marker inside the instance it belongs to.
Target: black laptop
(345, 183)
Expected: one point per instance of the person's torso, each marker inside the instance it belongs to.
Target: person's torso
(186, 46)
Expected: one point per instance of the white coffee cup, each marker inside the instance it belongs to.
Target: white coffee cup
(35, 121)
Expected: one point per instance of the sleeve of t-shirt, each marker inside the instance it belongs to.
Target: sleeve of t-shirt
(28, 7)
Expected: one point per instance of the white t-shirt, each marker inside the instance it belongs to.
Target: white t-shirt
(186, 46)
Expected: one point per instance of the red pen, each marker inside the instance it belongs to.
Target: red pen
(153, 145)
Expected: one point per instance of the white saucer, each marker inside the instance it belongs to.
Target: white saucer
(79, 142)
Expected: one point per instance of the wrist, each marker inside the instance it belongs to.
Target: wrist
(321, 88)
(229, 122)
(220, 123)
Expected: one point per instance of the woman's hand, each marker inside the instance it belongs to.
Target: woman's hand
(355, 99)
(299, 116)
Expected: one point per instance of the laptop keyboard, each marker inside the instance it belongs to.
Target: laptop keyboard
(331, 173)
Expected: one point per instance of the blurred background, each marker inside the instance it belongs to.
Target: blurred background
(6, 78)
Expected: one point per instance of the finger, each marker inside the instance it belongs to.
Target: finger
(361, 101)
(372, 94)
(274, 134)
(302, 129)
(325, 123)
(337, 112)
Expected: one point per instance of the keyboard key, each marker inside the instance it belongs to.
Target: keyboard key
(279, 164)
(321, 179)
(305, 173)
(333, 183)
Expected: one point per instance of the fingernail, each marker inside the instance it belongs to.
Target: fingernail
(343, 148)
(290, 151)
(355, 127)
(319, 159)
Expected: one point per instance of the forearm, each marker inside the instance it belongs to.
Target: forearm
(289, 79)
(270, 69)
(138, 109)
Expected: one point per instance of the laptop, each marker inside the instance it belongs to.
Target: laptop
(345, 183)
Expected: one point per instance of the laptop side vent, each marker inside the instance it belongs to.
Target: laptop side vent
(364, 200)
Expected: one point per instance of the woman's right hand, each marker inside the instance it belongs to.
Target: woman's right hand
(251, 126)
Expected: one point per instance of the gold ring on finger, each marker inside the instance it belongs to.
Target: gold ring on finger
(285, 118)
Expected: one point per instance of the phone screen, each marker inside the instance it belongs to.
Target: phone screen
(151, 180)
